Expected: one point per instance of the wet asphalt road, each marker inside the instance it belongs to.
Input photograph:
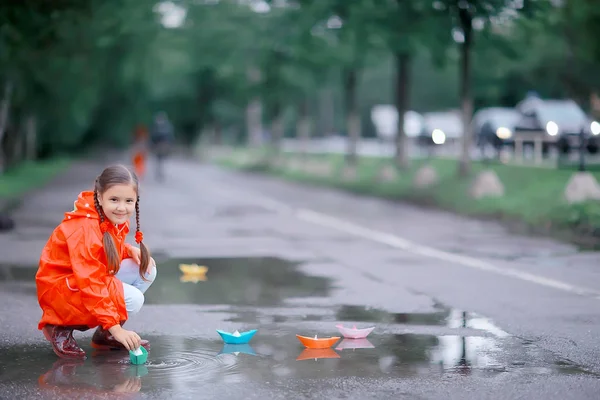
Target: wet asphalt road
(462, 309)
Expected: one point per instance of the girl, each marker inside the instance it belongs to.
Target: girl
(88, 276)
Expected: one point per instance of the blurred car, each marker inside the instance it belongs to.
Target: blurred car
(494, 126)
(441, 126)
(385, 119)
(561, 123)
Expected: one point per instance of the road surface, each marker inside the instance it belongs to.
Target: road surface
(462, 309)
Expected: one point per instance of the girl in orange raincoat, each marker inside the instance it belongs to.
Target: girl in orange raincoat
(88, 276)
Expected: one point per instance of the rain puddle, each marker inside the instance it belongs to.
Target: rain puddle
(261, 281)
(256, 290)
(176, 362)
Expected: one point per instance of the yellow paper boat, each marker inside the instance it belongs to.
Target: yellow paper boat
(193, 269)
(193, 273)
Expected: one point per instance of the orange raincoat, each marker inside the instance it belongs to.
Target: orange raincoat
(74, 286)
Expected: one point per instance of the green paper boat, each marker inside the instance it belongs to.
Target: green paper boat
(139, 356)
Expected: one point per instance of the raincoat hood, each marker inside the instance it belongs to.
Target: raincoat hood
(83, 207)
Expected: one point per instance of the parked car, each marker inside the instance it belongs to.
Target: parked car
(559, 121)
(494, 126)
(442, 126)
(385, 119)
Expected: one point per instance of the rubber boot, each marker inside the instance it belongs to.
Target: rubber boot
(103, 340)
(62, 341)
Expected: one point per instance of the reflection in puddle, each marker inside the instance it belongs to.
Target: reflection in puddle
(308, 354)
(237, 349)
(447, 317)
(466, 353)
(354, 344)
(65, 380)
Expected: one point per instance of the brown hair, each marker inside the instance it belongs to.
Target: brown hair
(111, 176)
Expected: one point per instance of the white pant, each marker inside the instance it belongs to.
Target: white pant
(134, 286)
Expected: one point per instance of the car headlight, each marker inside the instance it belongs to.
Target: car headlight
(595, 128)
(552, 128)
(438, 136)
(504, 133)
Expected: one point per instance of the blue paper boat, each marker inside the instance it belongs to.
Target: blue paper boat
(237, 349)
(237, 337)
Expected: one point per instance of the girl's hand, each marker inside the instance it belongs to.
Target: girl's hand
(135, 253)
(129, 339)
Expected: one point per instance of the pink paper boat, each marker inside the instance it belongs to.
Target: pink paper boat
(354, 333)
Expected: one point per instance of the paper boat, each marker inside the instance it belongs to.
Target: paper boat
(317, 343)
(139, 356)
(193, 273)
(237, 349)
(315, 354)
(354, 333)
(236, 337)
(193, 269)
(355, 344)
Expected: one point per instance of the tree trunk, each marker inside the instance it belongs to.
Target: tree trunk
(4, 108)
(328, 112)
(254, 111)
(218, 138)
(303, 126)
(465, 91)
(277, 129)
(352, 115)
(402, 93)
(31, 138)
(254, 122)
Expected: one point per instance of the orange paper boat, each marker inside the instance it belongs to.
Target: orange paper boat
(318, 343)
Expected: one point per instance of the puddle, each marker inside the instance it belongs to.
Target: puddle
(179, 362)
(258, 287)
(352, 314)
(447, 317)
(257, 281)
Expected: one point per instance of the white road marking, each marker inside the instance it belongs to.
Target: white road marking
(397, 242)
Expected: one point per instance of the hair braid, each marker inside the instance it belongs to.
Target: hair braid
(137, 214)
(145, 254)
(110, 249)
(98, 207)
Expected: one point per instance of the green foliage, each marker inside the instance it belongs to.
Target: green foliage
(89, 71)
(30, 175)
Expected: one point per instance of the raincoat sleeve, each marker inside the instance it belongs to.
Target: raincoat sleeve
(89, 273)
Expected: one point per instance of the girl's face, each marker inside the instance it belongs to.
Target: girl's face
(118, 203)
